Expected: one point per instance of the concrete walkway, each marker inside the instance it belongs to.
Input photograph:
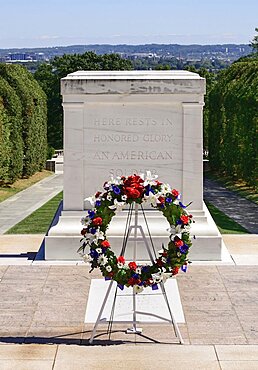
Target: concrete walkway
(21, 205)
(241, 210)
(42, 311)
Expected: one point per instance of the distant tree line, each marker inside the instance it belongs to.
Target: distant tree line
(49, 76)
(23, 124)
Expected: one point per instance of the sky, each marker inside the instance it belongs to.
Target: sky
(43, 23)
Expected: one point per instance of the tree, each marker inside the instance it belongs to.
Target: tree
(254, 43)
(49, 75)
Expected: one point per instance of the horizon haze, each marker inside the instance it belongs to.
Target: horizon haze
(57, 23)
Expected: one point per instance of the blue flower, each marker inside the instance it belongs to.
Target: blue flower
(154, 287)
(184, 248)
(116, 189)
(169, 200)
(184, 268)
(94, 254)
(92, 230)
(121, 286)
(179, 222)
(145, 268)
(181, 205)
(91, 214)
(148, 190)
(98, 203)
(135, 276)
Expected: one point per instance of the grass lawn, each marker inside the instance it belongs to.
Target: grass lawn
(225, 224)
(21, 184)
(38, 222)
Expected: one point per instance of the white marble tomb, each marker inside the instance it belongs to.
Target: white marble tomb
(124, 122)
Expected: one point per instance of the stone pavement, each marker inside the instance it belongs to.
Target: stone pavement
(42, 310)
(241, 210)
(43, 307)
(21, 205)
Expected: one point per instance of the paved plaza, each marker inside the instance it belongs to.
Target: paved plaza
(43, 304)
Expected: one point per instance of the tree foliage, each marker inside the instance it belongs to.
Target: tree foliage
(254, 43)
(24, 120)
(49, 75)
(11, 144)
(233, 120)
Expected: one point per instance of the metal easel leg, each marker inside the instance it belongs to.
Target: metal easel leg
(100, 312)
(173, 321)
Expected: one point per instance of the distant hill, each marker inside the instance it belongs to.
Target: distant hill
(159, 49)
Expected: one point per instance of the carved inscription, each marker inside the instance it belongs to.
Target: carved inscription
(131, 121)
(133, 155)
(130, 138)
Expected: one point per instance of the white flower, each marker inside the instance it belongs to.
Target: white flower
(165, 188)
(124, 197)
(108, 268)
(163, 259)
(98, 250)
(85, 221)
(120, 265)
(91, 200)
(172, 230)
(156, 278)
(98, 235)
(102, 260)
(137, 289)
(152, 199)
(118, 206)
(150, 179)
(186, 229)
(109, 197)
(114, 181)
(138, 270)
(165, 276)
(86, 258)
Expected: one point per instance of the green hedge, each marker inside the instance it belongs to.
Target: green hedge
(34, 116)
(11, 144)
(233, 122)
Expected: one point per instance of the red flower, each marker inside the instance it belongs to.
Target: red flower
(132, 266)
(132, 193)
(178, 242)
(159, 262)
(105, 244)
(184, 219)
(175, 270)
(97, 221)
(121, 259)
(84, 231)
(97, 194)
(133, 186)
(131, 281)
(161, 200)
(175, 193)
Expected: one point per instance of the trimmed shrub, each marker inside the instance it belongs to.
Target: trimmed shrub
(233, 122)
(11, 144)
(34, 116)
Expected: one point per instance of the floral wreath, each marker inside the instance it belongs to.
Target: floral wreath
(117, 194)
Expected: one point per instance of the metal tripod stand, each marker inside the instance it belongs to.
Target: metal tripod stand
(135, 238)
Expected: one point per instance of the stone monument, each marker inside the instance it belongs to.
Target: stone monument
(124, 122)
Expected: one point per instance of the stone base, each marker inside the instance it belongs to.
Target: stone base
(63, 239)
